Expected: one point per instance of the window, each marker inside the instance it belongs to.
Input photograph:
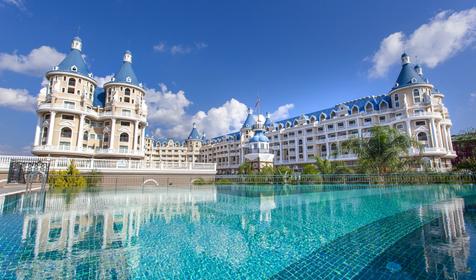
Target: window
(369, 107)
(123, 149)
(69, 104)
(125, 123)
(341, 124)
(127, 92)
(92, 136)
(126, 112)
(127, 99)
(85, 136)
(322, 117)
(330, 126)
(355, 110)
(420, 123)
(71, 90)
(333, 114)
(66, 132)
(106, 137)
(421, 136)
(367, 120)
(352, 122)
(67, 117)
(382, 118)
(383, 105)
(124, 137)
(44, 136)
(416, 96)
(72, 82)
(397, 101)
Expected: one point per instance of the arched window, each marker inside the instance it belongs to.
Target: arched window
(296, 122)
(333, 114)
(322, 117)
(280, 126)
(85, 136)
(72, 82)
(369, 107)
(127, 92)
(106, 138)
(124, 137)
(383, 105)
(66, 132)
(355, 110)
(312, 119)
(288, 124)
(422, 136)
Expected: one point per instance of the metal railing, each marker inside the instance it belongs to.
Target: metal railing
(367, 179)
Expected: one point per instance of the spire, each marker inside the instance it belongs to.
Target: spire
(250, 121)
(126, 73)
(74, 61)
(194, 134)
(268, 121)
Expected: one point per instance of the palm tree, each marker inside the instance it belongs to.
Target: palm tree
(386, 150)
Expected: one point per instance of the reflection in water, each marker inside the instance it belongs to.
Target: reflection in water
(216, 232)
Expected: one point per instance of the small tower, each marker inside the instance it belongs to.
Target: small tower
(268, 124)
(194, 143)
(257, 150)
(247, 128)
(405, 59)
(419, 70)
(76, 44)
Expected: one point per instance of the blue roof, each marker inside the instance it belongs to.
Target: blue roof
(249, 122)
(259, 137)
(408, 75)
(194, 134)
(99, 97)
(74, 58)
(268, 122)
(126, 75)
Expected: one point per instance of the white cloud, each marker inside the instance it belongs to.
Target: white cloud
(162, 47)
(102, 80)
(168, 117)
(434, 42)
(18, 99)
(282, 112)
(36, 63)
(17, 3)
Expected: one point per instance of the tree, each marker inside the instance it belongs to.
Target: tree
(267, 171)
(386, 150)
(245, 169)
(69, 179)
(309, 169)
(324, 166)
(468, 164)
(283, 170)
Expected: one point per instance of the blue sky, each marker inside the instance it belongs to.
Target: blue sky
(205, 61)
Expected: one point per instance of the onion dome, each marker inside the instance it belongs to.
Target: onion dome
(258, 129)
(194, 134)
(74, 61)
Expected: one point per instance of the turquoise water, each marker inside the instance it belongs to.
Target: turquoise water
(238, 232)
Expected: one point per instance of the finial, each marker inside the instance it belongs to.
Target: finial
(127, 57)
(76, 44)
(194, 125)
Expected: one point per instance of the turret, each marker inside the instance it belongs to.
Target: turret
(405, 59)
(76, 44)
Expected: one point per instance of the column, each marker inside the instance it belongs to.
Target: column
(449, 138)
(113, 131)
(328, 151)
(433, 133)
(409, 130)
(444, 136)
(51, 128)
(142, 142)
(440, 135)
(280, 148)
(80, 131)
(136, 135)
(304, 148)
(38, 131)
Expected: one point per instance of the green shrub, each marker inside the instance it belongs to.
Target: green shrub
(66, 180)
(223, 181)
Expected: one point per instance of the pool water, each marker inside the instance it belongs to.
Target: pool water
(241, 232)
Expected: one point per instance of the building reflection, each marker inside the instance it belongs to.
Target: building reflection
(97, 233)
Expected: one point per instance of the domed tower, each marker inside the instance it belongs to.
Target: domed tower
(125, 104)
(194, 143)
(422, 113)
(61, 117)
(268, 123)
(257, 150)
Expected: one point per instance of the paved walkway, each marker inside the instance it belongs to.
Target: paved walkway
(16, 188)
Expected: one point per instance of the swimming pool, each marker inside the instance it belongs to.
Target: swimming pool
(245, 232)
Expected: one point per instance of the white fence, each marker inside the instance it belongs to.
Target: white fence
(118, 165)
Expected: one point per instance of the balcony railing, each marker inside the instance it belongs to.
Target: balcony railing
(85, 150)
(104, 165)
(108, 114)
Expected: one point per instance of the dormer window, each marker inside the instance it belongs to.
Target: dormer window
(128, 79)
(74, 68)
(413, 80)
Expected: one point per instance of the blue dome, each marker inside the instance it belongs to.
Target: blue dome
(249, 122)
(408, 76)
(259, 137)
(126, 75)
(268, 122)
(194, 134)
(74, 63)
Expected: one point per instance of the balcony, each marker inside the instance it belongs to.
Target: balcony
(73, 150)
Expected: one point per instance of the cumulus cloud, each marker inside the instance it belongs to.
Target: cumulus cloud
(434, 42)
(18, 99)
(36, 63)
(282, 112)
(162, 47)
(168, 117)
(102, 80)
(19, 4)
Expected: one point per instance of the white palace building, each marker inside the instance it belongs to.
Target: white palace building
(76, 118)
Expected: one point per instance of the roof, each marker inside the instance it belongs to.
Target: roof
(259, 137)
(126, 75)
(268, 122)
(194, 134)
(74, 60)
(249, 122)
(408, 76)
